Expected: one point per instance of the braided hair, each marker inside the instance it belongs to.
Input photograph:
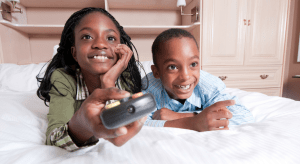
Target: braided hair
(64, 59)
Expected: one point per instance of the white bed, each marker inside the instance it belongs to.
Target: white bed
(273, 138)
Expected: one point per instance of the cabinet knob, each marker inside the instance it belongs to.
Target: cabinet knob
(245, 22)
(223, 77)
(249, 22)
(264, 76)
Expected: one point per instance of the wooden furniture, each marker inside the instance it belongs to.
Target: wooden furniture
(39, 28)
(244, 41)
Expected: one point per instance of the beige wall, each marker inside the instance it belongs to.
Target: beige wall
(291, 87)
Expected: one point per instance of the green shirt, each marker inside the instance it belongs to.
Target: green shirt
(63, 107)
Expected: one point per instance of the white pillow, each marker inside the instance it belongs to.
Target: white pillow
(147, 67)
(21, 78)
(55, 50)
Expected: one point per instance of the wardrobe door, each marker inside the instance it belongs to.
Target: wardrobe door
(265, 38)
(224, 30)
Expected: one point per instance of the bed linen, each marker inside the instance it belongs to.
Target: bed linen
(273, 138)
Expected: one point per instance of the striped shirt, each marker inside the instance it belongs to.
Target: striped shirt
(208, 91)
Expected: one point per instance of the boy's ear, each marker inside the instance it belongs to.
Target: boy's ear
(155, 71)
(73, 51)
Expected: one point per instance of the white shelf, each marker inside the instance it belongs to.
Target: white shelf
(57, 29)
(62, 3)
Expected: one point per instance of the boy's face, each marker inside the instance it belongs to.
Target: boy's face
(178, 67)
(96, 36)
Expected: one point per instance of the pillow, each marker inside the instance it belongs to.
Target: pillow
(21, 78)
(146, 66)
(55, 50)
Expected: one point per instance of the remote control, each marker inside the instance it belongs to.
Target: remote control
(127, 110)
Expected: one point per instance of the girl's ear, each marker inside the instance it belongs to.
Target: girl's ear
(73, 51)
(155, 71)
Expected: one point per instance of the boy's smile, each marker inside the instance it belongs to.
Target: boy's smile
(178, 67)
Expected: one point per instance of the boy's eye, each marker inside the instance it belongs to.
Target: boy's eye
(172, 67)
(86, 37)
(194, 64)
(111, 38)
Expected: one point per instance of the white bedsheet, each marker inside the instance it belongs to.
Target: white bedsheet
(274, 138)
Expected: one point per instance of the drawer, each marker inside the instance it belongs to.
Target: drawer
(267, 91)
(247, 76)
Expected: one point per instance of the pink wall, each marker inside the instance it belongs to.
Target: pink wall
(292, 85)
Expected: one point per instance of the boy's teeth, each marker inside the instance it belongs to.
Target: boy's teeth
(185, 87)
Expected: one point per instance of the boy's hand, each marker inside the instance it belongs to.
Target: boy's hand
(167, 114)
(211, 118)
(124, 54)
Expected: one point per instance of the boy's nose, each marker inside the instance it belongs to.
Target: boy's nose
(99, 43)
(184, 74)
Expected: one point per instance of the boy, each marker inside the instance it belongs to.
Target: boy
(184, 99)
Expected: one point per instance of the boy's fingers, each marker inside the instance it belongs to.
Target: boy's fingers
(223, 114)
(222, 123)
(225, 128)
(222, 104)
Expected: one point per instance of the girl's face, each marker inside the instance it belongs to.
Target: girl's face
(96, 36)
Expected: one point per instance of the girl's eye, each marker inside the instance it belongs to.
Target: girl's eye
(172, 67)
(86, 37)
(111, 38)
(194, 64)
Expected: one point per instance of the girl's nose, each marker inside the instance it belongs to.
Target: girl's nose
(99, 43)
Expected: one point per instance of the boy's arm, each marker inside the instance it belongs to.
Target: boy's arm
(167, 114)
(154, 123)
(208, 119)
(212, 89)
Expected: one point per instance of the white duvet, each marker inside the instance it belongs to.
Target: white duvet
(273, 138)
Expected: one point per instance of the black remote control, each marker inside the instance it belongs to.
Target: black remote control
(127, 110)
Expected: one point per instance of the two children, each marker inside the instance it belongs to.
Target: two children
(186, 96)
(94, 56)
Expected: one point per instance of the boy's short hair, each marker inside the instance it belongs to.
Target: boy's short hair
(168, 35)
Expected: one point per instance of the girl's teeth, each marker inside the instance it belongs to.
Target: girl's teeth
(100, 57)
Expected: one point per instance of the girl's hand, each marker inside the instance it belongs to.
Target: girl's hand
(124, 54)
(86, 121)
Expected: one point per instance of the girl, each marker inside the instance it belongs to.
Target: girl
(94, 56)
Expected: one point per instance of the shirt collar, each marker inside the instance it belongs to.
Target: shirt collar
(194, 99)
(82, 92)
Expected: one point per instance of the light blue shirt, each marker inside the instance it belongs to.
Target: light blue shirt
(208, 91)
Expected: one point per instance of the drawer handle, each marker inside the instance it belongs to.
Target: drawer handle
(223, 77)
(264, 76)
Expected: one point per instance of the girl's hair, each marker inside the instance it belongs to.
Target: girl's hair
(64, 59)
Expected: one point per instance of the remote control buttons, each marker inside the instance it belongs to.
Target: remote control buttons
(114, 104)
(130, 109)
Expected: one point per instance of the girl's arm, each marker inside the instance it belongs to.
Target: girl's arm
(110, 77)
